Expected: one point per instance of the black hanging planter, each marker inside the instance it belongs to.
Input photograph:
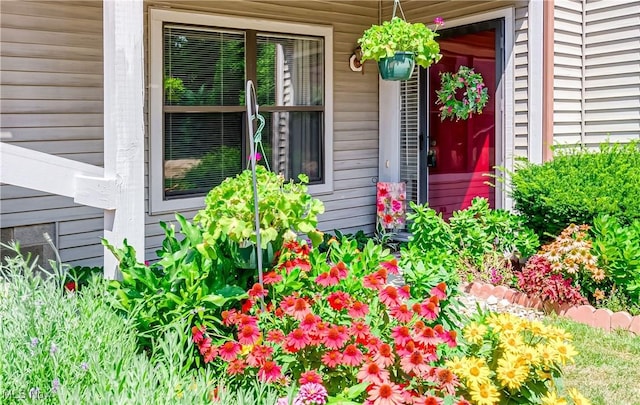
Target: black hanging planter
(397, 67)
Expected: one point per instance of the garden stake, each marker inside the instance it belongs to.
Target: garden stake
(252, 115)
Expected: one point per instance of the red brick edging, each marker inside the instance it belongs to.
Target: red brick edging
(585, 314)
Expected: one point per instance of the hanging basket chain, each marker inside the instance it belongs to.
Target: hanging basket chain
(396, 6)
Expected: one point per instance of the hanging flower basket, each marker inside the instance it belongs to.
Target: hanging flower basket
(397, 67)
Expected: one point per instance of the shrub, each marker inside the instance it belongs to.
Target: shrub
(538, 279)
(513, 361)
(577, 186)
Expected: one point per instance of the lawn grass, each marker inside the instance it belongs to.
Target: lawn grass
(607, 368)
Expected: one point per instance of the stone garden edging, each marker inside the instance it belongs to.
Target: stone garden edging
(586, 314)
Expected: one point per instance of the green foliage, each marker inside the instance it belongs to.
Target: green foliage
(578, 185)
(618, 250)
(285, 209)
(469, 242)
(60, 347)
(397, 35)
(189, 283)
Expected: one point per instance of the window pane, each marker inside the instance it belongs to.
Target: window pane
(203, 67)
(200, 151)
(290, 71)
(296, 144)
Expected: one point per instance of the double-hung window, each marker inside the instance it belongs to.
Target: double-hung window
(198, 68)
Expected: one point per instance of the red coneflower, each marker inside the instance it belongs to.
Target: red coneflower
(298, 339)
(351, 356)
(372, 373)
(258, 291)
(269, 372)
(198, 333)
(210, 354)
(229, 351)
(248, 334)
(275, 336)
(387, 393)
(358, 310)
(310, 376)
(389, 296)
(339, 300)
(335, 337)
(332, 359)
(384, 356)
(236, 367)
(204, 345)
(271, 278)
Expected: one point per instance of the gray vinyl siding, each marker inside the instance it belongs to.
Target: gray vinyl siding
(521, 80)
(597, 71)
(51, 101)
(611, 71)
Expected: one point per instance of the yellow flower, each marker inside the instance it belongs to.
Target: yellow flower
(505, 322)
(577, 398)
(511, 342)
(564, 351)
(558, 333)
(528, 356)
(544, 375)
(598, 294)
(552, 399)
(510, 373)
(537, 328)
(475, 371)
(474, 333)
(485, 394)
(456, 365)
(546, 354)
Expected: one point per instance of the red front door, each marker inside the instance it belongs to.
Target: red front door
(461, 154)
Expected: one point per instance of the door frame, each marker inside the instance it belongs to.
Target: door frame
(499, 24)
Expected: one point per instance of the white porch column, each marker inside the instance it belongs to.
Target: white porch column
(124, 125)
(535, 83)
(389, 130)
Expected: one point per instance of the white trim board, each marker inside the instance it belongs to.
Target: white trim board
(157, 203)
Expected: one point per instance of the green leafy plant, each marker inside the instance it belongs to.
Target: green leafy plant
(285, 209)
(474, 97)
(398, 35)
(578, 185)
(188, 283)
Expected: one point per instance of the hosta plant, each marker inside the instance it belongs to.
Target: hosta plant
(338, 325)
(511, 360)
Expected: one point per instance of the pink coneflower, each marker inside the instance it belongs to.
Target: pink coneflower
(211, 354)
(339, 271)
(384, 356)
(440, 291)
(325, 280)
(275, 336)
(414, 363)
(332, 359)
(387, 393)
(248, 334)
(339, 300)
(373, 282)
(298, 339)
(391, 266)
(351, 356)
(449, 337)
(271, 278)
(317, 333)
(360, 330)
(243, 319)
(299, 310)
(229, 317)
(198, 333)
(428, 336)
(310, 376)
(372, 373)
(358, 310)
(428, 400)
(404, 292)
(335, 337)
(236, 367)
(389, 296)
(446, 380)
(402, 313)
(259, 354)
(269, 372)
(257, 291)
(309, 322)
(204, 345)
(429, 310)
(372, 344)
(229, 351)
(401, 335)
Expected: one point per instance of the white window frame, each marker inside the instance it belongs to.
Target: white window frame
(157, 18)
